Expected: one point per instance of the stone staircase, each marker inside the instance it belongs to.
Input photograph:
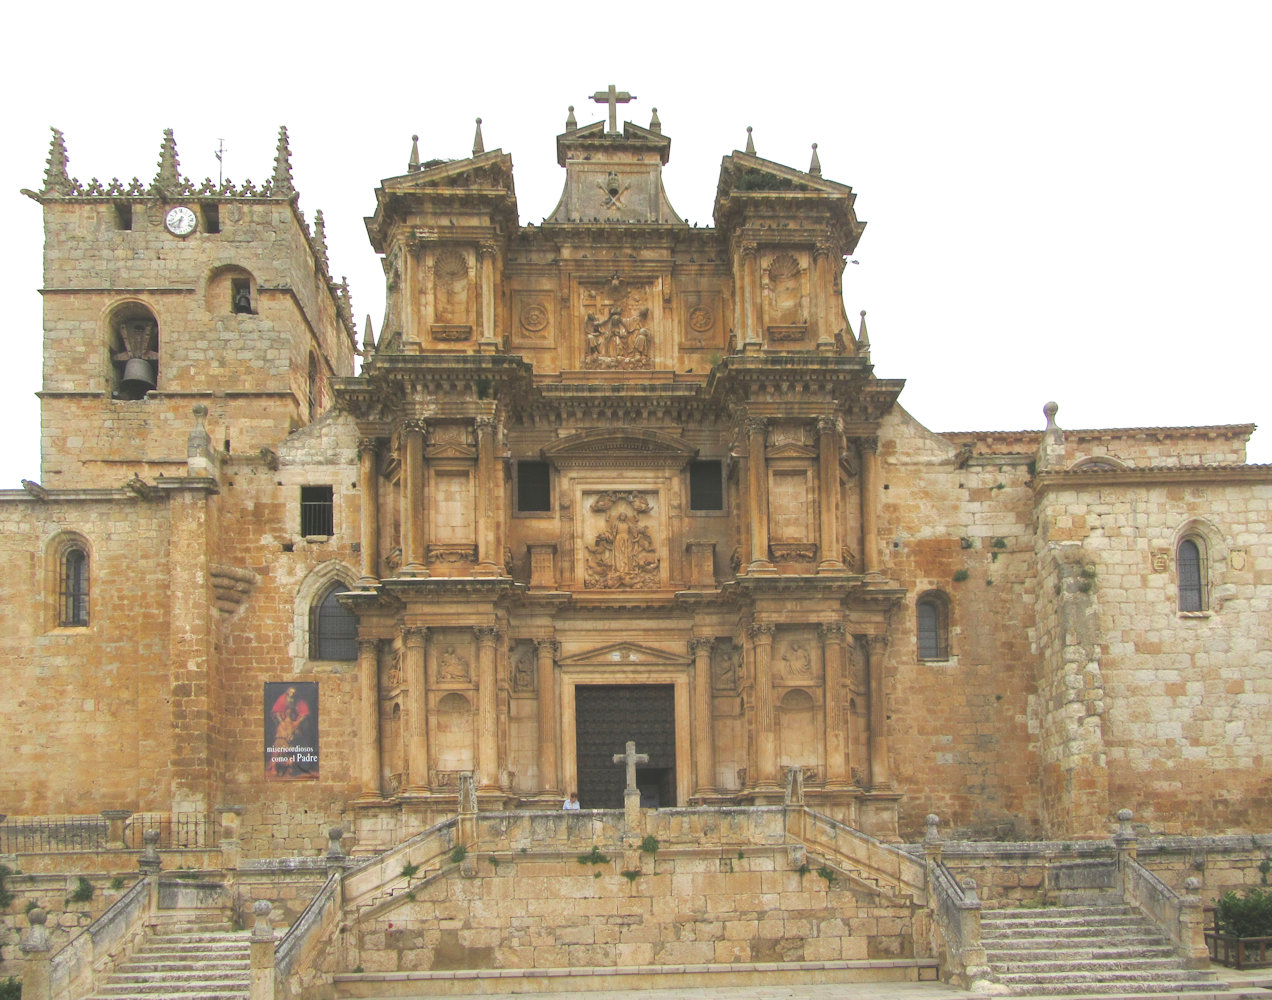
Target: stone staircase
(1085, 950)
(191, 955)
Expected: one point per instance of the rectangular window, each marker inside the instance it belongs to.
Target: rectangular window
(317, 511)
(211, 218)
(534, 487)
(123, 215)
(706, 485)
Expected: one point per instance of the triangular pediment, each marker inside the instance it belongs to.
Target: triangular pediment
(624, 654)
(792, 451)
(451, 451)
(486, 170)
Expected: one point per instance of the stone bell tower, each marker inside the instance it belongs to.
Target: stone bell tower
(163, 295)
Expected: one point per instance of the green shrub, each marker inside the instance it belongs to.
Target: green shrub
(82, 892)
(458, 853)
(630, 874)
(650, 844)
(6, 895)
(410, 871)
(11, 989)
(593, 857)
(1247, 915)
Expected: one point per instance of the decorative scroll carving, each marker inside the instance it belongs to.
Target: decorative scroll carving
(793, 551)
(701, 319)
(451, 554)
(451, 666)
(616, 330)
(623, 555)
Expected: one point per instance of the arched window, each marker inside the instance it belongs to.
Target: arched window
(933, 626)
(73, 589)
(1192, 575)
(333, 629)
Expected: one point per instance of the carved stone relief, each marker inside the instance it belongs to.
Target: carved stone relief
(784, 291)
(622, 555)
(524, 664)
(532, 318)
(725, 668)
(618, 327)
(797, 663)
(701, 319)
(452, 665)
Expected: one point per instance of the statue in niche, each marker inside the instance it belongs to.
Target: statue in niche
(451, 666)
(523, 671)
(450, 287)
(784, 290)
(797, 661)
(623, 555)
(393, 680)
(724, 672)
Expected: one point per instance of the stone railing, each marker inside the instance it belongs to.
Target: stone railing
(1181, 918)
(298, 964)
(68, 975)
(890, 867)
(368, 882)
(955, 909)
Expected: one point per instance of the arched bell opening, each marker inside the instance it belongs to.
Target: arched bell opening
(134, 351)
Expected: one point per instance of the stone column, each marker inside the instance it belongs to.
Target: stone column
(869, 505)
(369, 716)
(823, 297)
(751, 294)
(115, 819)
(832, 637)
(414, 542)
(880, 777)
(549, 779)
(703, 732)
(757, 471)
(487, 558)
(765, 734)
(369, 487)
(487, 735)
(828, 488)
(487, 253)
(415, 674)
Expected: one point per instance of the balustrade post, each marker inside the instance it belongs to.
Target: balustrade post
(262, 952)
(1192, 927)
(38, 949)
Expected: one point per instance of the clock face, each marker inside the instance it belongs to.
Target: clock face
(180, 221)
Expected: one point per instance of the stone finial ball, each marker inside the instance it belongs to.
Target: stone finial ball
(200, 411)
(335, 833)
(151, 836)
(1125, 815)
(1050, 410)
(968, 882)
(262, 907)
(932, 819)
(1192, 884)
(415, 138)
(36, 916)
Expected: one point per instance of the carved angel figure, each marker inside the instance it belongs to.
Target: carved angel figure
(623, 555)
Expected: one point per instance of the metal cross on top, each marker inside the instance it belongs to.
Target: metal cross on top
(613, 98)
(631, 758)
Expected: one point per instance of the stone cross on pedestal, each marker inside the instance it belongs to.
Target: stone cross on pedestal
(613, 98)
(631, 758)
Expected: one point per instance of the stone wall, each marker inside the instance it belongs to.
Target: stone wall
(672, 908)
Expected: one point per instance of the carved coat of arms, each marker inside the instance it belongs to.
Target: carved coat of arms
(623, 555)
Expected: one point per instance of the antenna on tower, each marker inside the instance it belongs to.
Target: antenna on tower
(220, 165)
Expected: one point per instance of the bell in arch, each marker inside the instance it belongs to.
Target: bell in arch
(139, 376)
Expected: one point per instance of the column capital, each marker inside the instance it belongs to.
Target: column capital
(368, 445)
(748, 248)
(868, 445)
(413, 635)
(822, 250)
(827, 424)
(415, 424)
(761, 630)
(484, 422)
(701, 643)
(368, 646)
(832, 631)
(878, 642)
(756, 425)
(547, 642)
(487, 251)
(487, 634)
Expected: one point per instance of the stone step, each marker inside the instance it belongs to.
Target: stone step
(1147, 946)
(1080, 976)
(1094, 953)
(1069, 931)
(186, 958)
(1093, 966)
(134, 966)
(1026, 912)
(1153, 991)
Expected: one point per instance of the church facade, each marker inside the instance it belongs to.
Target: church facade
(607, 478)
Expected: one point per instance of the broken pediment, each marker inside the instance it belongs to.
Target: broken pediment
(624, 654)
(632, 448)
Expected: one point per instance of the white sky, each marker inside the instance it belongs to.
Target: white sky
(1065, 201)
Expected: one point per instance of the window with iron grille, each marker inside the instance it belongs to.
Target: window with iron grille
(317, 511)
(333, 629)
(932, 611)
(73, 598)
(706, 485)
(1192, 583)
